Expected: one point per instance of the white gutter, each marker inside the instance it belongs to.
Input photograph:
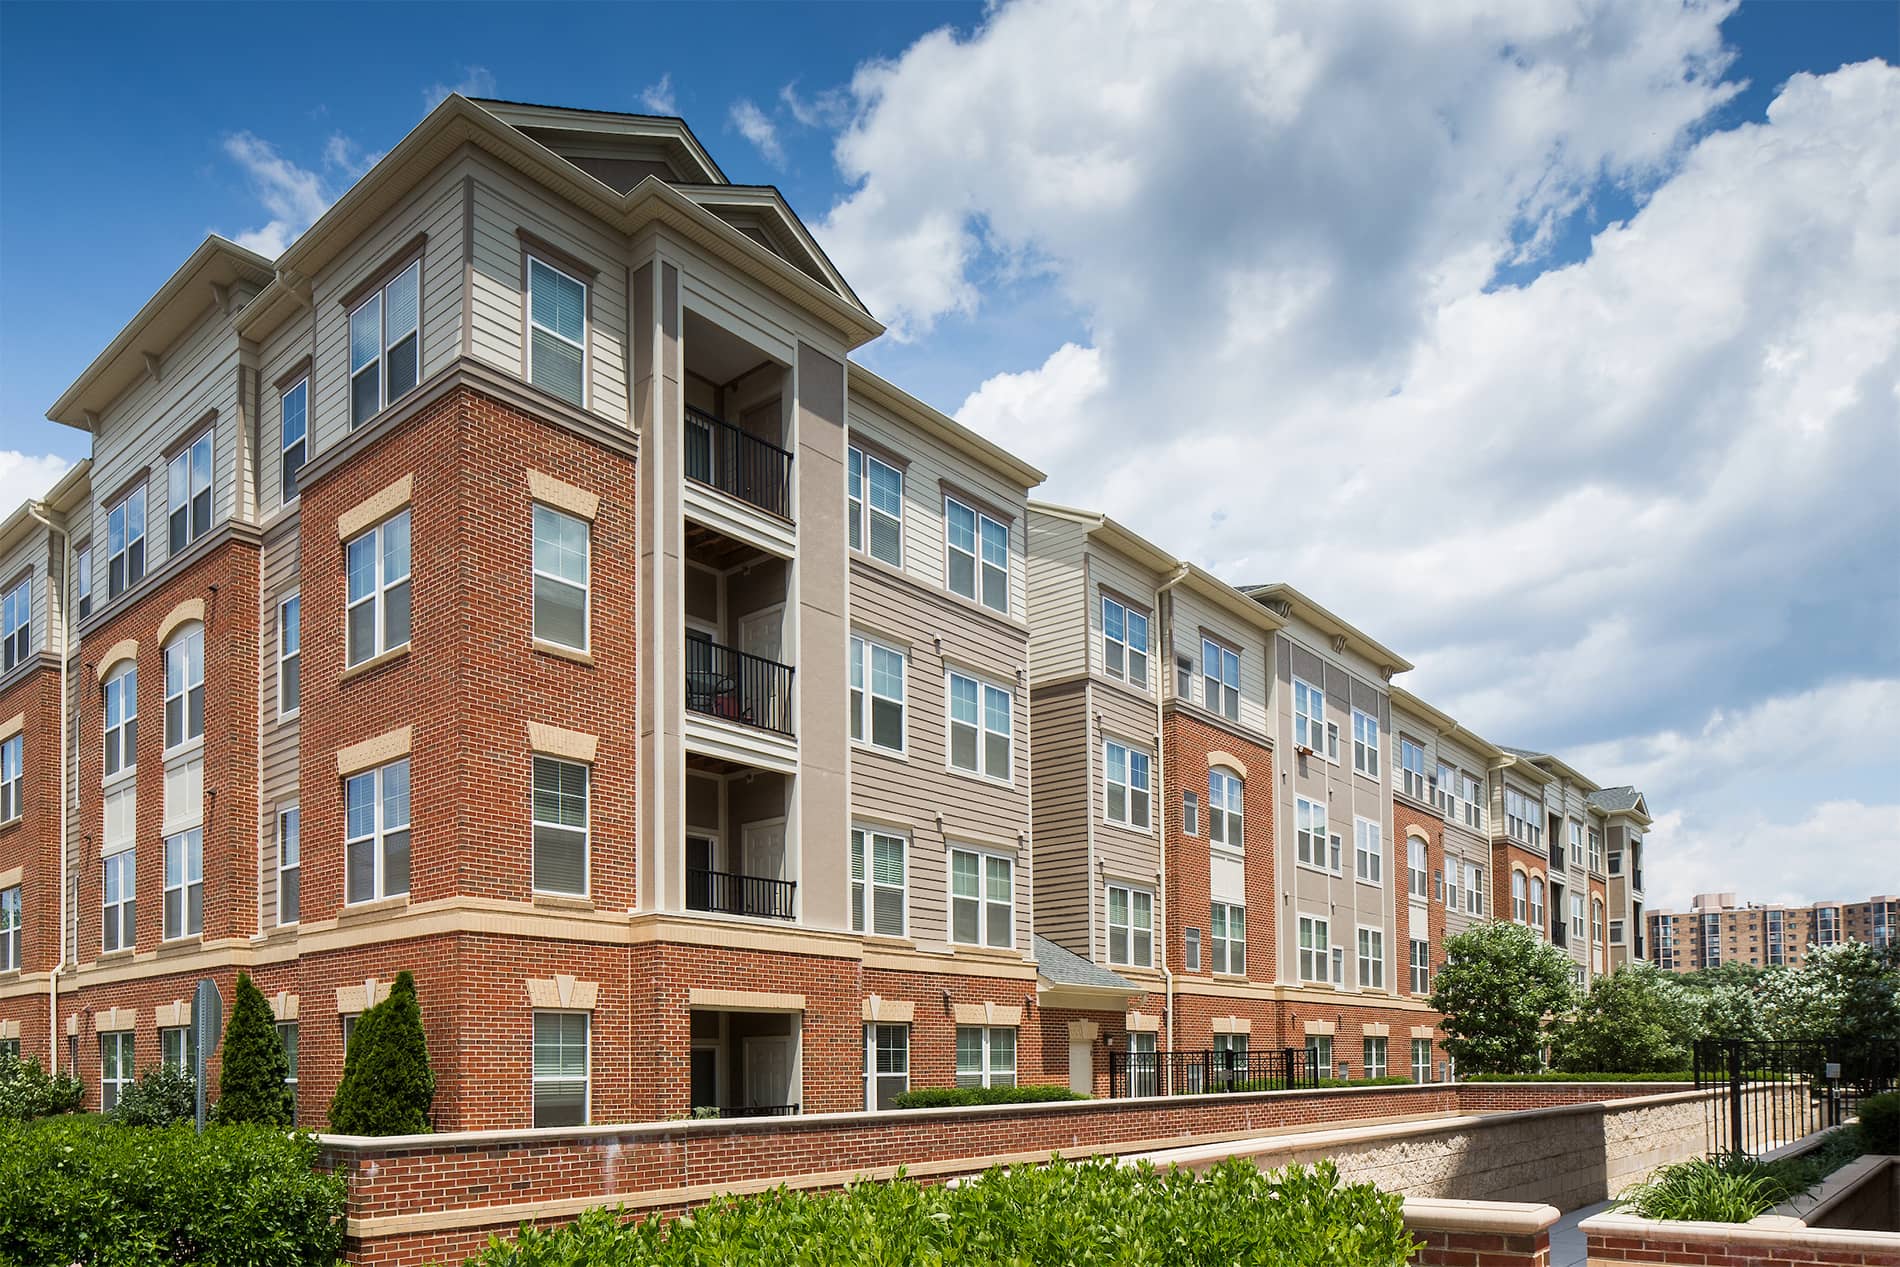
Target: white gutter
(38, 511)
(1162, 669)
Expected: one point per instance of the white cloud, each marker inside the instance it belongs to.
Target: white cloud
(658, 96)
(476, 81)
(1643, 487)
(293, 196)
(755, 127)
(27, 476)
(828, 108)
(1841, 851)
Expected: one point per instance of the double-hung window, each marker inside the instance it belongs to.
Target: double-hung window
(293, 436)
(982, 899)
(178, 1048)
(978, 547)
(185, 687)
(1421, 1060)
(1125, 771)
(16, 624)
(1374, 1049)
(11, 919)
(378, 616)
(289, 655)
(125, 543)
(1319, 1055)
(1309, 821)
(1225, 818)
(1411, 768)
(1596, 921)
(1124, 642)
(116, 1070)
(1576, 916)
(120, 867)
(1131, 921)
(561, 586)
(122, 719)
(1184, 678)
(1576, 842)
(1537, 905)
(1474, 802)
(1365, 743)
(560, 1068)
(12, 778)
(289, 864)
(1315, 949)
(1220, 670)
(1191, 949)
(1368, 850)
(979, 727)
(1421, 967)
(876, 507)
(287, 1035)
(1596, 849)
(184, 883)
(1190, 814)
(1520, 904)
(877, 694)
(557, 332)
(1415, 868)
(1227, 936)
(1445, 795)
(877, 883)
(1475, 897)
(385, 345)
(886, 1064)
(82, 580)
(560, 826)
(1371, 959)
(1451, 884)
(1309, 717)
(986, 1056)
(188, 493)
(376, 833)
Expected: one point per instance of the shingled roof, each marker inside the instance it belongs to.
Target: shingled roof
(1061, 966)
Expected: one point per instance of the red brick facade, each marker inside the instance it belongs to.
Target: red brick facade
(30, 842)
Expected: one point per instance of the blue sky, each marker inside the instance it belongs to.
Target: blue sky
(1617, 273)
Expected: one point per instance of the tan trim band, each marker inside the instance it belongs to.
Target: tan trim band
(123, 649)
(1233, 1025)
(370, 753)
(1375, 1029)
(1009, 1015)
(375, 508)
(1228, 759)
(12, 876)
(1136, 1022)
(354, 1000)
(114, 1020)
(747, 1000)
(562, 992)
(189, 610)
(552, 741)
(284, 1005)
(12, 726)
(561, 495)
(1320, 1027)
(889, 1011)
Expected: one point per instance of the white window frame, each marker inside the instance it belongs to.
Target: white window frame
(981, 567)
(1477, 901)
(989, 1043)
(865, 695)
(1596, 849)
(983, 730)
(1412, 768)
(1421, 964)
(1309, 716)
(1471, 792)
(127, 518)
(1319, 1055)
(118, 1071)
(385, 344)
(865, 885)
(1596, 921)
(1191, 949)
(12, 921)
(1454, 901)
(864, 511)
(1574, 829)
(1520, 897)
(1190, 812)
(381, 830)
(1616, 933)
(184, 679)
(120, 739)
(873, 1031)
(288, 488)
(382, 585)
(1446, 793)
(1417, 866)
(1576, 916)
(289, 871)
(177, 540)
(1368, 851)
(1128, 786)
(536, 261)
(1369, 1066)
(118, 853)
(536, 1079)
(1229, 952)
(540, 575)
(1226, 809)
(1310, 834)
(287, 1036)
(1421, 1060)
(16, 624)
(985, 902)
(537, 824)
(289, 657)
(1370, 943)
(1221, 695)
(1130, 618)
(1184, 678)
(13, 777)
(1539, 910)
(1134, 897)
(1315, 954)
(1365, 743)
(82, 580)
(176, 1048)
(184, 877)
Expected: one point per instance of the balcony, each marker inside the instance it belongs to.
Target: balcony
(729, 893)
(736, 686)
(738, 463)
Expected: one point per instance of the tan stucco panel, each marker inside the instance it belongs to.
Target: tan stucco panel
(562, 992)
(192, 609)
(1084, 1031)
(171, 1015)
(552, 741)
(9, 1029)
(747, 1000)
(890, 1011)
(1421, 1031)
(123, 649)
(375, 508)
(1233, 1025)
(354, 1000)
(284, 1005)
(549, 491)
(1375, 1029)
(373, 752)
(1319, 1027)
(11, 876)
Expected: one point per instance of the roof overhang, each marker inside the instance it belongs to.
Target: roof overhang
(1290, 602)
(1446, 723)
(1085, 998)
(1530, 770)
(668, 131)
(1230, 600)
(196, 287)
(779, 223)
(940, 426)
(1113, 536)
(67, 492)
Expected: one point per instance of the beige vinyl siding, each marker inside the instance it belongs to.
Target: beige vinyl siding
(918, 788)
(1124, 853)
(1060, 738)
(1057, 603)
(287, 345)
(32, 551)
(434, 209)
(277, 739)
(1132, 584)
(1192, 614)
(504, 205)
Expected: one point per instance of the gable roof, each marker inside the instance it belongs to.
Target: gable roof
(1619, 800)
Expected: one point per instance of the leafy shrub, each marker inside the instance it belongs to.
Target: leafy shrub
(28, 1091)
(1880, 1122)
(958, 1097)
(1498, 991)
(252, 1080)
(1082, 1214)
(1679, 1075)
(387, 1085)
(1389, 1080)
(1736, 1188)
(1638, 1019)
(80, 1189)
(162, 1095)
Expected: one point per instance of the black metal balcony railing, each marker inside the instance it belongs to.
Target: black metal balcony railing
(729, 683)
(736, 462)
(728, 893)
(1202, 1072)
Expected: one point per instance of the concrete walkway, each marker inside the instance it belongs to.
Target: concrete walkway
(1567, 1246)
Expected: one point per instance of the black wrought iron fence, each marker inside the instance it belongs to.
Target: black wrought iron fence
(1138, 1073)
(1778, 1091)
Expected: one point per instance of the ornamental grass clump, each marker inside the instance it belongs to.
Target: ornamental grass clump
(1735, 1188)
(1080, 1214)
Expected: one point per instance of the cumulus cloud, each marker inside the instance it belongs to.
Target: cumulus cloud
(1842, 851)
(1601, 505)
(293, 196)
(27, 476)
(827, 108)
(754, 125)
(658, 96)
(476, 81)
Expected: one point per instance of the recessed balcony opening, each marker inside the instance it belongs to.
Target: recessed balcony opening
(745, 1064)
(734, 652)
(736, 855)
(736, 436)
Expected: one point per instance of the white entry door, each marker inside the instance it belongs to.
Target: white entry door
(768, 1071)
(763, 634)
(764, 846)
(1082, 1068)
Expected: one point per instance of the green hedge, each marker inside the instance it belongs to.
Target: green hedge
(28, 1091)
(959, 1097)
(1880, 1122)
(1683, 1076)
(1081, 1214)
(79, 1189)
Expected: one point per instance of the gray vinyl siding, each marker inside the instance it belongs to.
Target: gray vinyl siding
(918, 788)
(287, 345)
(1062, 804)
(1058, 605)
(277, 737)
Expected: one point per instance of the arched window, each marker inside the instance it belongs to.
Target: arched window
(122, 718)
(1537, 903)
(185, 686)
(1519, 911)
(1224, 815)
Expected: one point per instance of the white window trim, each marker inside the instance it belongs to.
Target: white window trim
(1322, 829)
(380, 586)
(1229, 941)
(112, 914)
(186, 637)
(182, 838)
(1304, 954)
(861, 509)
(983, 731)
(1360, 960)
(283, 813)
(1316, 743)
(1127, 821)
(135, 530)
(866, 642)
(1238, 817)
(587, 1062)
(1365, 744)
(13, 933)
(1420, 967)
(871, 1075)
(18, 600)
(13, 777)
(208, 439)
(126, 674)
(871, 886)
(1366, 1045)
(1214, 657)
(284, 446)
(379, 835)
(383, 344)
(533, 325)
(1418, 872)
(983, 899)
(587, 831)
(1108, 927)
(1125, 642)
(977, 563)
(1362, 828)
(536, 575)
(295, 596)
(986, 1072)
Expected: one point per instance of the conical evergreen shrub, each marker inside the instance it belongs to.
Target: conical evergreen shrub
(253, 1082)
(387, 1085)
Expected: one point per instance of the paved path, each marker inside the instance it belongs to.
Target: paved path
(1567, 1246)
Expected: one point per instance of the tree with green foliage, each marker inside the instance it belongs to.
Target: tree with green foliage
(161, 1096)
(1500, 987)
(387, 1085)
(254, 1080)
(1731, 1011)
(1637, 1019)
(1848, 994)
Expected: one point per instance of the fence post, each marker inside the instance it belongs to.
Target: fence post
(1735, 1095)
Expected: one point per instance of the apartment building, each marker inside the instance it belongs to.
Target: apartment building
(1718, 929)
